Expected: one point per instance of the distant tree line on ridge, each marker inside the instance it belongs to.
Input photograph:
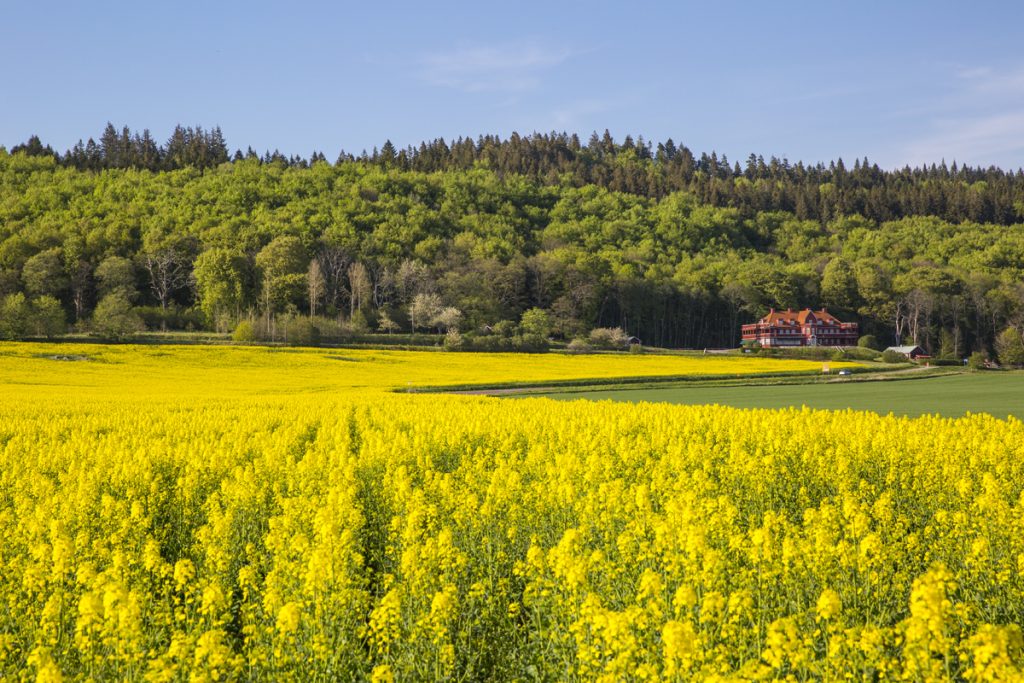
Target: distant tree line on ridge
(822, 192)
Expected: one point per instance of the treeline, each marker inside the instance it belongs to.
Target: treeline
(364, 247)
(186, 148)
(820, 192)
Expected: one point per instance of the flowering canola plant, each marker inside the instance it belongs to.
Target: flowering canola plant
(174, 514)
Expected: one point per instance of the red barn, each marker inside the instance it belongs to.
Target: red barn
(800, 328)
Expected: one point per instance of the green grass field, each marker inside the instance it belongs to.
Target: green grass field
(999, 394)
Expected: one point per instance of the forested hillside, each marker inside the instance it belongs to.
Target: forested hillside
(678, 251)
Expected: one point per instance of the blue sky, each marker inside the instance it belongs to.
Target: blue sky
(899, 82)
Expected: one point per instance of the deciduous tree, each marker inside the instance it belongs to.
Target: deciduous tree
(282, 265)
(423, 309)
(219, 274)
(1010, 347)
(44, 273)
(114, 318)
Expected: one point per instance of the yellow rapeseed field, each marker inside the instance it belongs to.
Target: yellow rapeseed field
(118, 373)
(179, 513)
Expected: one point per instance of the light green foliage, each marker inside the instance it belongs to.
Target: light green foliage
(219, 274)
(890, 356)
(358, 324)
(447, 318)
(47, 318)
(579, 345)
(44, 273)
(20, 318)
(386, 324)
(282, 266)
(537, 322)
(868, 341)
(116, 273)
(839, 285)
(949, 348)
(504, 328)
(453, 341)
(423, 310)
(114, 318)
(1010, 347)
(15, 316)
(300, 331)
(243, 332)
(609, 338)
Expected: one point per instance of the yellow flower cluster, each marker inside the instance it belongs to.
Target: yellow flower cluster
(349, 533)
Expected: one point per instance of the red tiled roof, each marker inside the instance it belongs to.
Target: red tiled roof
(792, 317)
(825, 316)
(786, 316)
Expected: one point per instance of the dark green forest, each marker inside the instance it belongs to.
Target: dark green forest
(675, 248)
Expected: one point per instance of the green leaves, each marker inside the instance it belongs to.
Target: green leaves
(219, 275)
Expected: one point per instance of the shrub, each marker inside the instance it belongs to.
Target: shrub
(43, 317)
(244, 333)
(977, 360)
(1010, 347)
(331, 329)
(536, 322)
(890, 356)
(47, 318)
(386, 324)
(860, 353)
(300, 331)
(15, 316)
(453, 341)
(114, 317)
(869, 341)
(948, 346)
(530, 343)
(489, 342)
(358, 324)
(447, 319)
(504, 328)
(636, 349)
(609, 338)
(579, 345)
(156, 318)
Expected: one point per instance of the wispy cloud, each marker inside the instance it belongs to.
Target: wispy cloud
(987, 80)
(505, 68)
(979, 120)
